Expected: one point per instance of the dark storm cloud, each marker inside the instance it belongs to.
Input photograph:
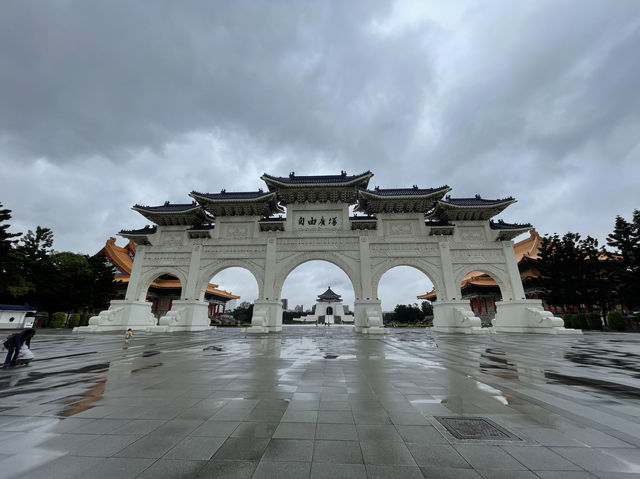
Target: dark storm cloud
(87, 78)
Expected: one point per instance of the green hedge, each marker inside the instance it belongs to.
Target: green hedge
(57, 320)
(616, 321)
(74, 320)
(581, 321)
(569, 321)
(594, 322)
(84, 319)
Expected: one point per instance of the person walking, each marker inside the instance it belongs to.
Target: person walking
(15, 342)
(127, 336)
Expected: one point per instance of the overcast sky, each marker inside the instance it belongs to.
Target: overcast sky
(108, 104)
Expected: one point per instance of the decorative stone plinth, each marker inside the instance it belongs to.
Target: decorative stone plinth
(368, 317)
(456, 317)
(267, 316)
(189, 315)
(122, 314)
(528, 316)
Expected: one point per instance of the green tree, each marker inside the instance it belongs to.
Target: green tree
(574, 271)
(625, 238)
(103, 288)
(557, 266)
(35, 266)
(72, 286)
(243, 312)
(408, 313)
(427, 308)
(38, 246)
(596, 278)
(13, 283)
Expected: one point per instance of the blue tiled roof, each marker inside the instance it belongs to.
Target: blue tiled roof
(316, 179)
(501, 225)
(328, 294)
(168, 207)
(232, 195)
(17, 307)
(476, 201)
(415, 191)
(147, 230)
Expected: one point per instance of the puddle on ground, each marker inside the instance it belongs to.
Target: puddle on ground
(618, 390)
(150, 366)
(89, 397)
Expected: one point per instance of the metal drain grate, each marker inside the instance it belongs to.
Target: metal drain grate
(475, 428)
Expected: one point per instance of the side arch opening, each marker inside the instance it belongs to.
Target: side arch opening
(483, 288)
(401, 289)
(230, 293)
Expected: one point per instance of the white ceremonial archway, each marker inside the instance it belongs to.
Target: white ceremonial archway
(306, 218)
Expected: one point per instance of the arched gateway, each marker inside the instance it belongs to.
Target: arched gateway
(442, 236)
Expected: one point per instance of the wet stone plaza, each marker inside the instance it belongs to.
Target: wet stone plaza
(323, 403)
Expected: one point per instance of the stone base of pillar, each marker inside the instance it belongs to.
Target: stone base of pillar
(267, 316)
(456, 317)
(368, 317)
(122, 314)
(528, 316)
(189, 315)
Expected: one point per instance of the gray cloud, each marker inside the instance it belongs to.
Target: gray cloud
(107, 104)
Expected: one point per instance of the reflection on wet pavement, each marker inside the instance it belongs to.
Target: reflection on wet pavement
(320, 402)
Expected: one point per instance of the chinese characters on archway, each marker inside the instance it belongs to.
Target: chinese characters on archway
(318, 221)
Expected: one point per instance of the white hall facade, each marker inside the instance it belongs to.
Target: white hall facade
(305, 218)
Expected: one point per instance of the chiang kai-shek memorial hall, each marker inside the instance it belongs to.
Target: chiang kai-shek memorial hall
(305, 218)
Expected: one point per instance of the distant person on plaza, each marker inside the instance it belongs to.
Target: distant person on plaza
(15, 342)
(127, 336)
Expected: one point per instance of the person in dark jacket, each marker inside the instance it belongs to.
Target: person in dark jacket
(15, 342)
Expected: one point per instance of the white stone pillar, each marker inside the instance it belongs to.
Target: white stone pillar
(514, 273)
(270, 271)
(365, 270)
(134, 277)
(267, 311)
(189, 291)
(450, 313)
(451, 289)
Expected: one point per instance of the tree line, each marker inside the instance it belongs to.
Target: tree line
(31, 272)
(409, 314)
(577, 271)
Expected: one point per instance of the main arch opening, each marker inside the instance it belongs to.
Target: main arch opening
(231, 293)
(317, 292)
(400, 289)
